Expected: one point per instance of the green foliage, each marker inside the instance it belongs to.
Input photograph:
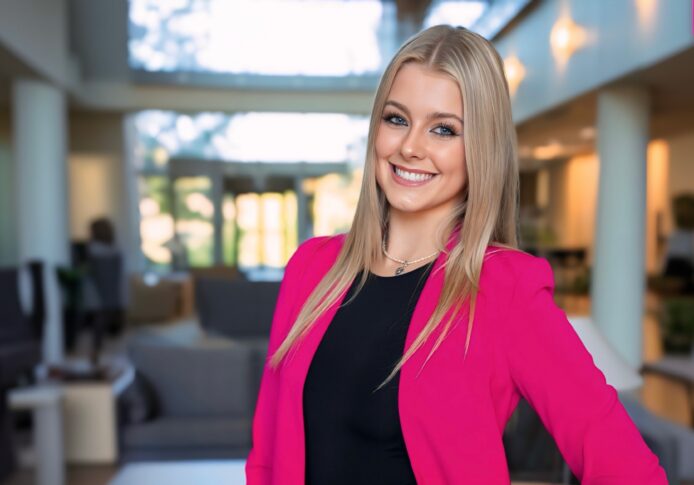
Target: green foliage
(677, 324)
(683, 211)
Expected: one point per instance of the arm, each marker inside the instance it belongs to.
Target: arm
(258, 464)
(551, 368)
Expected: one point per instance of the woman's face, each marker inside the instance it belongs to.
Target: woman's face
(420, 152)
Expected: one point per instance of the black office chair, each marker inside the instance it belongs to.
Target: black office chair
(20, 347)
(105, 272)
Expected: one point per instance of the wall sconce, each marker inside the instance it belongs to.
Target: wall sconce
(515, 72)
(565, 39)
(547, 152)
(646, 10)
(587, 133)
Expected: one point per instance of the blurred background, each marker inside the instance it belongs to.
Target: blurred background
(160, 161)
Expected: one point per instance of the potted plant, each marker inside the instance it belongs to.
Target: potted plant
(677, 324)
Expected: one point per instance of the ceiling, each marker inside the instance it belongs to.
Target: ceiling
(98, 37)
(572, 125)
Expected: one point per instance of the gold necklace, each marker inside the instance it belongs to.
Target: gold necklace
(403, 262)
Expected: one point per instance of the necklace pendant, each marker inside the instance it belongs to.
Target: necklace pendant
(399, 270)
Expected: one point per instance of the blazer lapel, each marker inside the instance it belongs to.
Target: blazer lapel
(424, 308)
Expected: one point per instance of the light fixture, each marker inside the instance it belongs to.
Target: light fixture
(515, 72)
(587, 133)
(566, 38)
(546, 152)
(646, 10)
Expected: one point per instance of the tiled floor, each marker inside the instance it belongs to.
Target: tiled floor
(661, 396)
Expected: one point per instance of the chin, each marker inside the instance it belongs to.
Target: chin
(407, 207)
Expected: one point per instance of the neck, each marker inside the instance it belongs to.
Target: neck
(412, 236)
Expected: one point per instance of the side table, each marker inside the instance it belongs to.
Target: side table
(89, 406)
(91, 418)
(45, 403)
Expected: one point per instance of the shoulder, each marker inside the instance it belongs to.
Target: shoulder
(516, 270)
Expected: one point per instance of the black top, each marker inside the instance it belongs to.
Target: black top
(353, 435)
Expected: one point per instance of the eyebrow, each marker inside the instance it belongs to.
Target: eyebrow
(430, 116)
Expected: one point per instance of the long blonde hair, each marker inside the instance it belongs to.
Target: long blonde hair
(488, 207)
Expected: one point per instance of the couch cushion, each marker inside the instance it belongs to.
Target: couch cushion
(170, 432)
(211, 377)
(237, 309)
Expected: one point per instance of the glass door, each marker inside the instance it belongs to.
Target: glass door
(225, 220)
(193, 244)
(267, 229)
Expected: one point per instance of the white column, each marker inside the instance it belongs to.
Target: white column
(134, 257)
(619, 277)
(40, 155)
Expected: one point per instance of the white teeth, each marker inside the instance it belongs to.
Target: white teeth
(414, 177)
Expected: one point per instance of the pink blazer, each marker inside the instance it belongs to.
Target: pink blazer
(454, 413)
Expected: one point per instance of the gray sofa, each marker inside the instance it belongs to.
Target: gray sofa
(192, 397)
(240, 310)
(196, 384)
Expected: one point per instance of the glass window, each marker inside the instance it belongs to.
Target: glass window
(291, 41)
(269, 37)
(243, 137)
(455, 12)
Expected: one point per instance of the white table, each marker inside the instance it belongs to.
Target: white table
(45, 401)
(89, 413)
(213, 472)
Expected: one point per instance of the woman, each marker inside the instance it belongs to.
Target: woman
(377, 371)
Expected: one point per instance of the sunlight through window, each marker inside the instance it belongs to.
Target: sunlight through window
(270, 37)
(243, 137)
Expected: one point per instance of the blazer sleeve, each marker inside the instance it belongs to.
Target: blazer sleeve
(551, 368)
(259, 461)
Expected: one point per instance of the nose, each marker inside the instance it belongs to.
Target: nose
(412, 145)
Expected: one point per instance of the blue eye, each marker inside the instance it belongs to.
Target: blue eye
(448, 129)
(388, 118)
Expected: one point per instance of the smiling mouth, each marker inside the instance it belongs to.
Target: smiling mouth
(411, 176)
